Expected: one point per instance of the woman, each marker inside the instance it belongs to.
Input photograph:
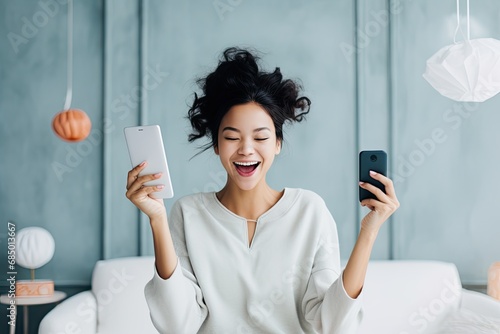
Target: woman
(251, 259)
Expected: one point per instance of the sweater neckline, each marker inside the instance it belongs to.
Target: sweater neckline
(276, 211)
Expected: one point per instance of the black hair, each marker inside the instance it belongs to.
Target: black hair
(238, 80)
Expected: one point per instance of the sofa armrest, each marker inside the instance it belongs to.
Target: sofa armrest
(77, 314)
(480, 304)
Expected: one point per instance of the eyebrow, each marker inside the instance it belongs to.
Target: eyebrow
(229, 128)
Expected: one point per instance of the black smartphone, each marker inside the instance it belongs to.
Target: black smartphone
(375, 161)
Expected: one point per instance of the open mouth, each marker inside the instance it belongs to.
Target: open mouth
(246, 168)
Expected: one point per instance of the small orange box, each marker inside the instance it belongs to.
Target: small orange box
(36, 288)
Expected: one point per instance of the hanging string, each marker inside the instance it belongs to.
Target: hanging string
(458, 23)
(468, 21)
(69, 83)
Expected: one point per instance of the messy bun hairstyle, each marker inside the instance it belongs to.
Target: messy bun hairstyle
(238, 80)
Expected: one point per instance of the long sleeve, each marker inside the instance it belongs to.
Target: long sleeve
(176, 304)
(326, 305)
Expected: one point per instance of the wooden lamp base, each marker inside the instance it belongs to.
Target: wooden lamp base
(34, 288)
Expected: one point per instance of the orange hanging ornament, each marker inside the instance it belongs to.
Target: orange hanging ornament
(72, 125)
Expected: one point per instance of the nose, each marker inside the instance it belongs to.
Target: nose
(246, 148)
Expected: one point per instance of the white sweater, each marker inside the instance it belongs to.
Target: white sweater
(288, 281)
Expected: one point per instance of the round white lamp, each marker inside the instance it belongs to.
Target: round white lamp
(34, 248)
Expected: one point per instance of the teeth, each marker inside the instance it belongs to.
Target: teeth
(250, 163)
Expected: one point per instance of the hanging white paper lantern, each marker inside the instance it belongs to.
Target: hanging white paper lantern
(466, 71)
(34, 247)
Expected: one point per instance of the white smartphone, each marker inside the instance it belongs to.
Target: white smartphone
(146, 144)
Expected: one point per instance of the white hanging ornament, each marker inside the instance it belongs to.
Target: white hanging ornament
(467, 71)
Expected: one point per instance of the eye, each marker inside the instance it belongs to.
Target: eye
(261, 139)
(230, 138)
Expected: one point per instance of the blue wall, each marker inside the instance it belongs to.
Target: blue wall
(136, 62)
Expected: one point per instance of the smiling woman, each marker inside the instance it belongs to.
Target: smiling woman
(247, 145)
(249, 258)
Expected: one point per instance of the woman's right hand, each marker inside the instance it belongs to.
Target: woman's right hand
(138, 193)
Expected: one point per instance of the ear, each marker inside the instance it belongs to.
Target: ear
(278, 146)
(216, 150)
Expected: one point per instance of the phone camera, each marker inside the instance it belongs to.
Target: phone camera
(373, 158)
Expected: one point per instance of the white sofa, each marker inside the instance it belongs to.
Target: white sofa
(400, 297)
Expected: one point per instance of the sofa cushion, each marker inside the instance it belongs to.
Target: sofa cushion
(118, 286)
(409, 296)
(468, 322)
(481, 303)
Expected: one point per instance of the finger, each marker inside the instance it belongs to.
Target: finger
(371, 207)
(148, 177)
(381, 196)
(139, 182)
(388, 184)
(370, 203)
(144, 191)
(134, 173)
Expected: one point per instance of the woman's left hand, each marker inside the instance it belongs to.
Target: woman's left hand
(382, 207)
